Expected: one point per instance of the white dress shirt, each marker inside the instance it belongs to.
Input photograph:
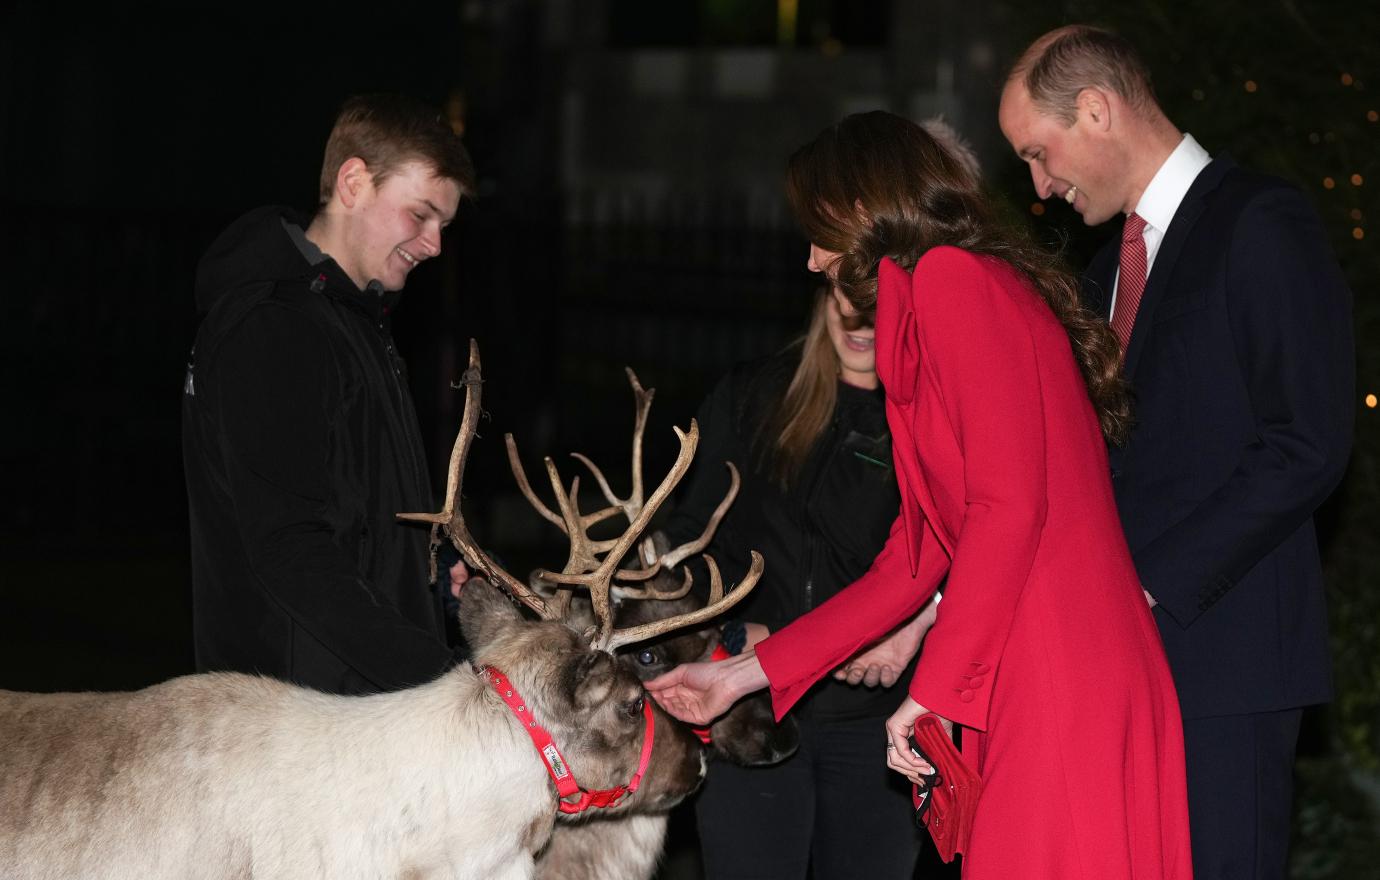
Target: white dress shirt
(1162, 198)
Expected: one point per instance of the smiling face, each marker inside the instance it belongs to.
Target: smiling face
(1078, 163)
(390, 228)
(852, 335)
(854, 340)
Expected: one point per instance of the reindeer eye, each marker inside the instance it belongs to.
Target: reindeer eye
(647, 657)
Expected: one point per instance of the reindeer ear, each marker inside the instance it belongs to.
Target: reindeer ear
(661, 543)
(542, 587)
(653, 547)
(485, 613)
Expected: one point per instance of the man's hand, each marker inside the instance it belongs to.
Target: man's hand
(883, 662)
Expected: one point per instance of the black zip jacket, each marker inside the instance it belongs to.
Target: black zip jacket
(300, 444)
(816, 537)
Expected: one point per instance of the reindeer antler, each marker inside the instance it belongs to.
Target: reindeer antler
(719, 602)
(678, 555)
(451, 521)
(593, 564)
(632, 505)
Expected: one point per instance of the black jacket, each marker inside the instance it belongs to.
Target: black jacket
(300, 445)
(1243, 366)
(818, 536)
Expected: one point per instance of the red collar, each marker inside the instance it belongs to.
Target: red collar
(555, 762)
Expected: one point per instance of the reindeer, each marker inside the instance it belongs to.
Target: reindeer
(748, 734)
(222, 775)
(626, 847)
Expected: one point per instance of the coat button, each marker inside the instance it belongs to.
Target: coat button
(966, 696)
(975, 681)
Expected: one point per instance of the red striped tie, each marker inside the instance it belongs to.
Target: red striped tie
(1131, 283)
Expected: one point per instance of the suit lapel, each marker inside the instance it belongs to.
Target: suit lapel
(1190, 209)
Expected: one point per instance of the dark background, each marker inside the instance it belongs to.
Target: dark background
(629, 213)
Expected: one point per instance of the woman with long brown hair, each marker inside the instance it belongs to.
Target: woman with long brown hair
(1001, 394)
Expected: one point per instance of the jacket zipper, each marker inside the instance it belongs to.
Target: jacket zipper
(418, 477)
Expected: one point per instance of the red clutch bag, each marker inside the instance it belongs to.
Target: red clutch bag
(945, 804)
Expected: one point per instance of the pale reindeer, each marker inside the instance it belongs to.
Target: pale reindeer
(623, 846)
(222, 775)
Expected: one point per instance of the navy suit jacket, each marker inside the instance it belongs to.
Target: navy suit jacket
(1242, 367)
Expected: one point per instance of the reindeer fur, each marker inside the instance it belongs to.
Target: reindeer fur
(220, 776)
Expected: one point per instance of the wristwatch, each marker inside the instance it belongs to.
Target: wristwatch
(733, 636)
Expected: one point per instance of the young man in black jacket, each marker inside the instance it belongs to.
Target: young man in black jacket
(300, 441)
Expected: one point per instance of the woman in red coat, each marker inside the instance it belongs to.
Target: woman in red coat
(1000, 395)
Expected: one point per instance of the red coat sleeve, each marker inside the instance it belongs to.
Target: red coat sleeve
(977, 342)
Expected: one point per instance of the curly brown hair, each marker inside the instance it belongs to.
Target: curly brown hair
(876, 185)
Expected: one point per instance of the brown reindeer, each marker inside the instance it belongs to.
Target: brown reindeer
(747, 735)
(626, 847)
(222, 775)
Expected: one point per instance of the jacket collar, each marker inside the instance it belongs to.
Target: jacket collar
(327, 276)
(1190, 209)
(373, 301)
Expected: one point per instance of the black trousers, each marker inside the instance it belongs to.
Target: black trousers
(1240, 793)
(832, 810)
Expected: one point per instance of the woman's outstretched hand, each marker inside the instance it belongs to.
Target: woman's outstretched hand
(898, 727)
(700, 692)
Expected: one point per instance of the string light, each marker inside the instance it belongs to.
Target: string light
(1358, 233)
(1356, 214)
(1250, 85)
(787, 18)
(1373, 116)
(1328, 183)
(1347, 79)
(1371, 401)
(1037, 209)
(1357, 180)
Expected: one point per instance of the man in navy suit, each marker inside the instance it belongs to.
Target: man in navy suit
(1235, 323)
